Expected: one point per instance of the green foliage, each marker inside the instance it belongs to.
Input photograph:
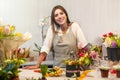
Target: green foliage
(37, 47)
(44, 69)
(10, 69)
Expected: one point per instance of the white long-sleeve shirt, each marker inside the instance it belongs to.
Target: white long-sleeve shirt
(76, 31)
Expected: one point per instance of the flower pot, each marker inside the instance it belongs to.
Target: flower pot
(104, 73)
(118, 73)
(15, 78)
(43, 78)
(113, 54)
(72, 70)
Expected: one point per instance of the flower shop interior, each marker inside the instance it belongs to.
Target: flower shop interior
(30, 19)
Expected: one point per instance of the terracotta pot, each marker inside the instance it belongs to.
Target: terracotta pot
(104, 73)
(118, 73)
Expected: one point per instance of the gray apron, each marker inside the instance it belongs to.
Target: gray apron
(64, 47)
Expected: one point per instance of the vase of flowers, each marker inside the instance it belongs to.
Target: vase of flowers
(72, 68)
(112, 42)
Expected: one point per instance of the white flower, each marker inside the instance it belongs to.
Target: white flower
(107, 42)
(27, 36)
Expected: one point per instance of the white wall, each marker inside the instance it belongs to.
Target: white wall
(23, 14)
(95, 16)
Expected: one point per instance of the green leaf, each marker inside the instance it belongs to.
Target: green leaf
(118, 42)
(44, 69)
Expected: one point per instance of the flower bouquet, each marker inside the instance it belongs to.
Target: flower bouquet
(72, 68)
(112, 42)
(89, 57)
(9, 39)
(72, 65)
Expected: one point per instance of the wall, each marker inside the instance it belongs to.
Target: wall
(95, 16)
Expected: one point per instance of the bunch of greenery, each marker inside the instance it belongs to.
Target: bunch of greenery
(10, 68)
(44, 69)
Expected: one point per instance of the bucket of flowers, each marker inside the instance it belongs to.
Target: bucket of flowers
(9, 39)
(72, 68)
(112, 43)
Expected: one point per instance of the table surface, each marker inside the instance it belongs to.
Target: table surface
(90, 76)
(30, 73)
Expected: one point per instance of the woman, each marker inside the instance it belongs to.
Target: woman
(63, 37)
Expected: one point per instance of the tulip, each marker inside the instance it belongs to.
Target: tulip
(7, 29)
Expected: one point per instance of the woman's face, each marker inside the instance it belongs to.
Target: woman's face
(60, 17)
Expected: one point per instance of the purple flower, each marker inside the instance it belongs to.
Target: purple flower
(114, 44)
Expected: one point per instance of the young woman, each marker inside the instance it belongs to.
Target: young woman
(62, 36)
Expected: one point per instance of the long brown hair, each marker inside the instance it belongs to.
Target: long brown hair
(53, 23)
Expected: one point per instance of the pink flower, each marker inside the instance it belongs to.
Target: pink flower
(7, 29)
(94, 54)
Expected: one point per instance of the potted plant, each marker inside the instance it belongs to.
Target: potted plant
(104, 71)
(117, 68)
(112, 42)
(43, 69)
(72, 68)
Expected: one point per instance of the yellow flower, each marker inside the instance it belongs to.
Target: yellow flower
(1, 29)
(108, 41)
(18, 34)
(12, 28)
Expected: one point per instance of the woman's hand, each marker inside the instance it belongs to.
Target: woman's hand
(41, 58)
